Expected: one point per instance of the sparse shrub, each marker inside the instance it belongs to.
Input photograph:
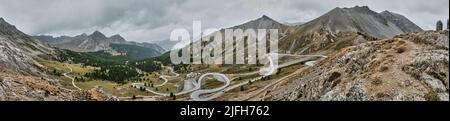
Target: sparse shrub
(333, 76)
(383, 68)
(431, 96)
(381, 95)
(377, 81)
(401, 49)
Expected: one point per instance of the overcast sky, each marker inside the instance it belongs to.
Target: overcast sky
(152, 20)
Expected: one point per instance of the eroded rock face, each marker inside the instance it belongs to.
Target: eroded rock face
(408, 67)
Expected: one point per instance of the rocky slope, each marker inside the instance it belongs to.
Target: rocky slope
(401, 22)
(15, 48)
(408, 67)
(21, 78)
(362, 19)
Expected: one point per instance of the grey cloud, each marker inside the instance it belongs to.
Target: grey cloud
(151, 20)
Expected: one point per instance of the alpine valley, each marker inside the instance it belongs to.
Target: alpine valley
(346, 54)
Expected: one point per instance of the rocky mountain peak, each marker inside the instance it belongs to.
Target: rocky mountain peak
(6, 27)
(266, 17)
(385, 11)
(263, 22)
(2, 20)
(117, 38)
(361, 9)
(84, 34)
(98, 36)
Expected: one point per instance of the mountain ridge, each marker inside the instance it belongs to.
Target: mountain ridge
(97, 41)
(335, 27)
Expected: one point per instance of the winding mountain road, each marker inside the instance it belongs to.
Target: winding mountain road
(197, 92)
(73, 80)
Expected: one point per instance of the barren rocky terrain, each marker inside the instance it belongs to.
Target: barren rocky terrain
(408, 67)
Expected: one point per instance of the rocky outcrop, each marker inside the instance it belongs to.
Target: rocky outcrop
(98, 94)
(408, 67)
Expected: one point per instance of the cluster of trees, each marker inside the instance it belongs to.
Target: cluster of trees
(266, 78)
(116, 73)
(148, 66)
(57, 73)
(173, 96)
(112, 68)
(96, 59)
(181, 68)
(81, 79)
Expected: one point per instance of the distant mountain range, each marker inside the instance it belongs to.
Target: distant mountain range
(166, 44)
(343, 27)
(97, 41)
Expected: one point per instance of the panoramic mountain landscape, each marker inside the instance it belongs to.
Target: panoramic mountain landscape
(345, 54)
